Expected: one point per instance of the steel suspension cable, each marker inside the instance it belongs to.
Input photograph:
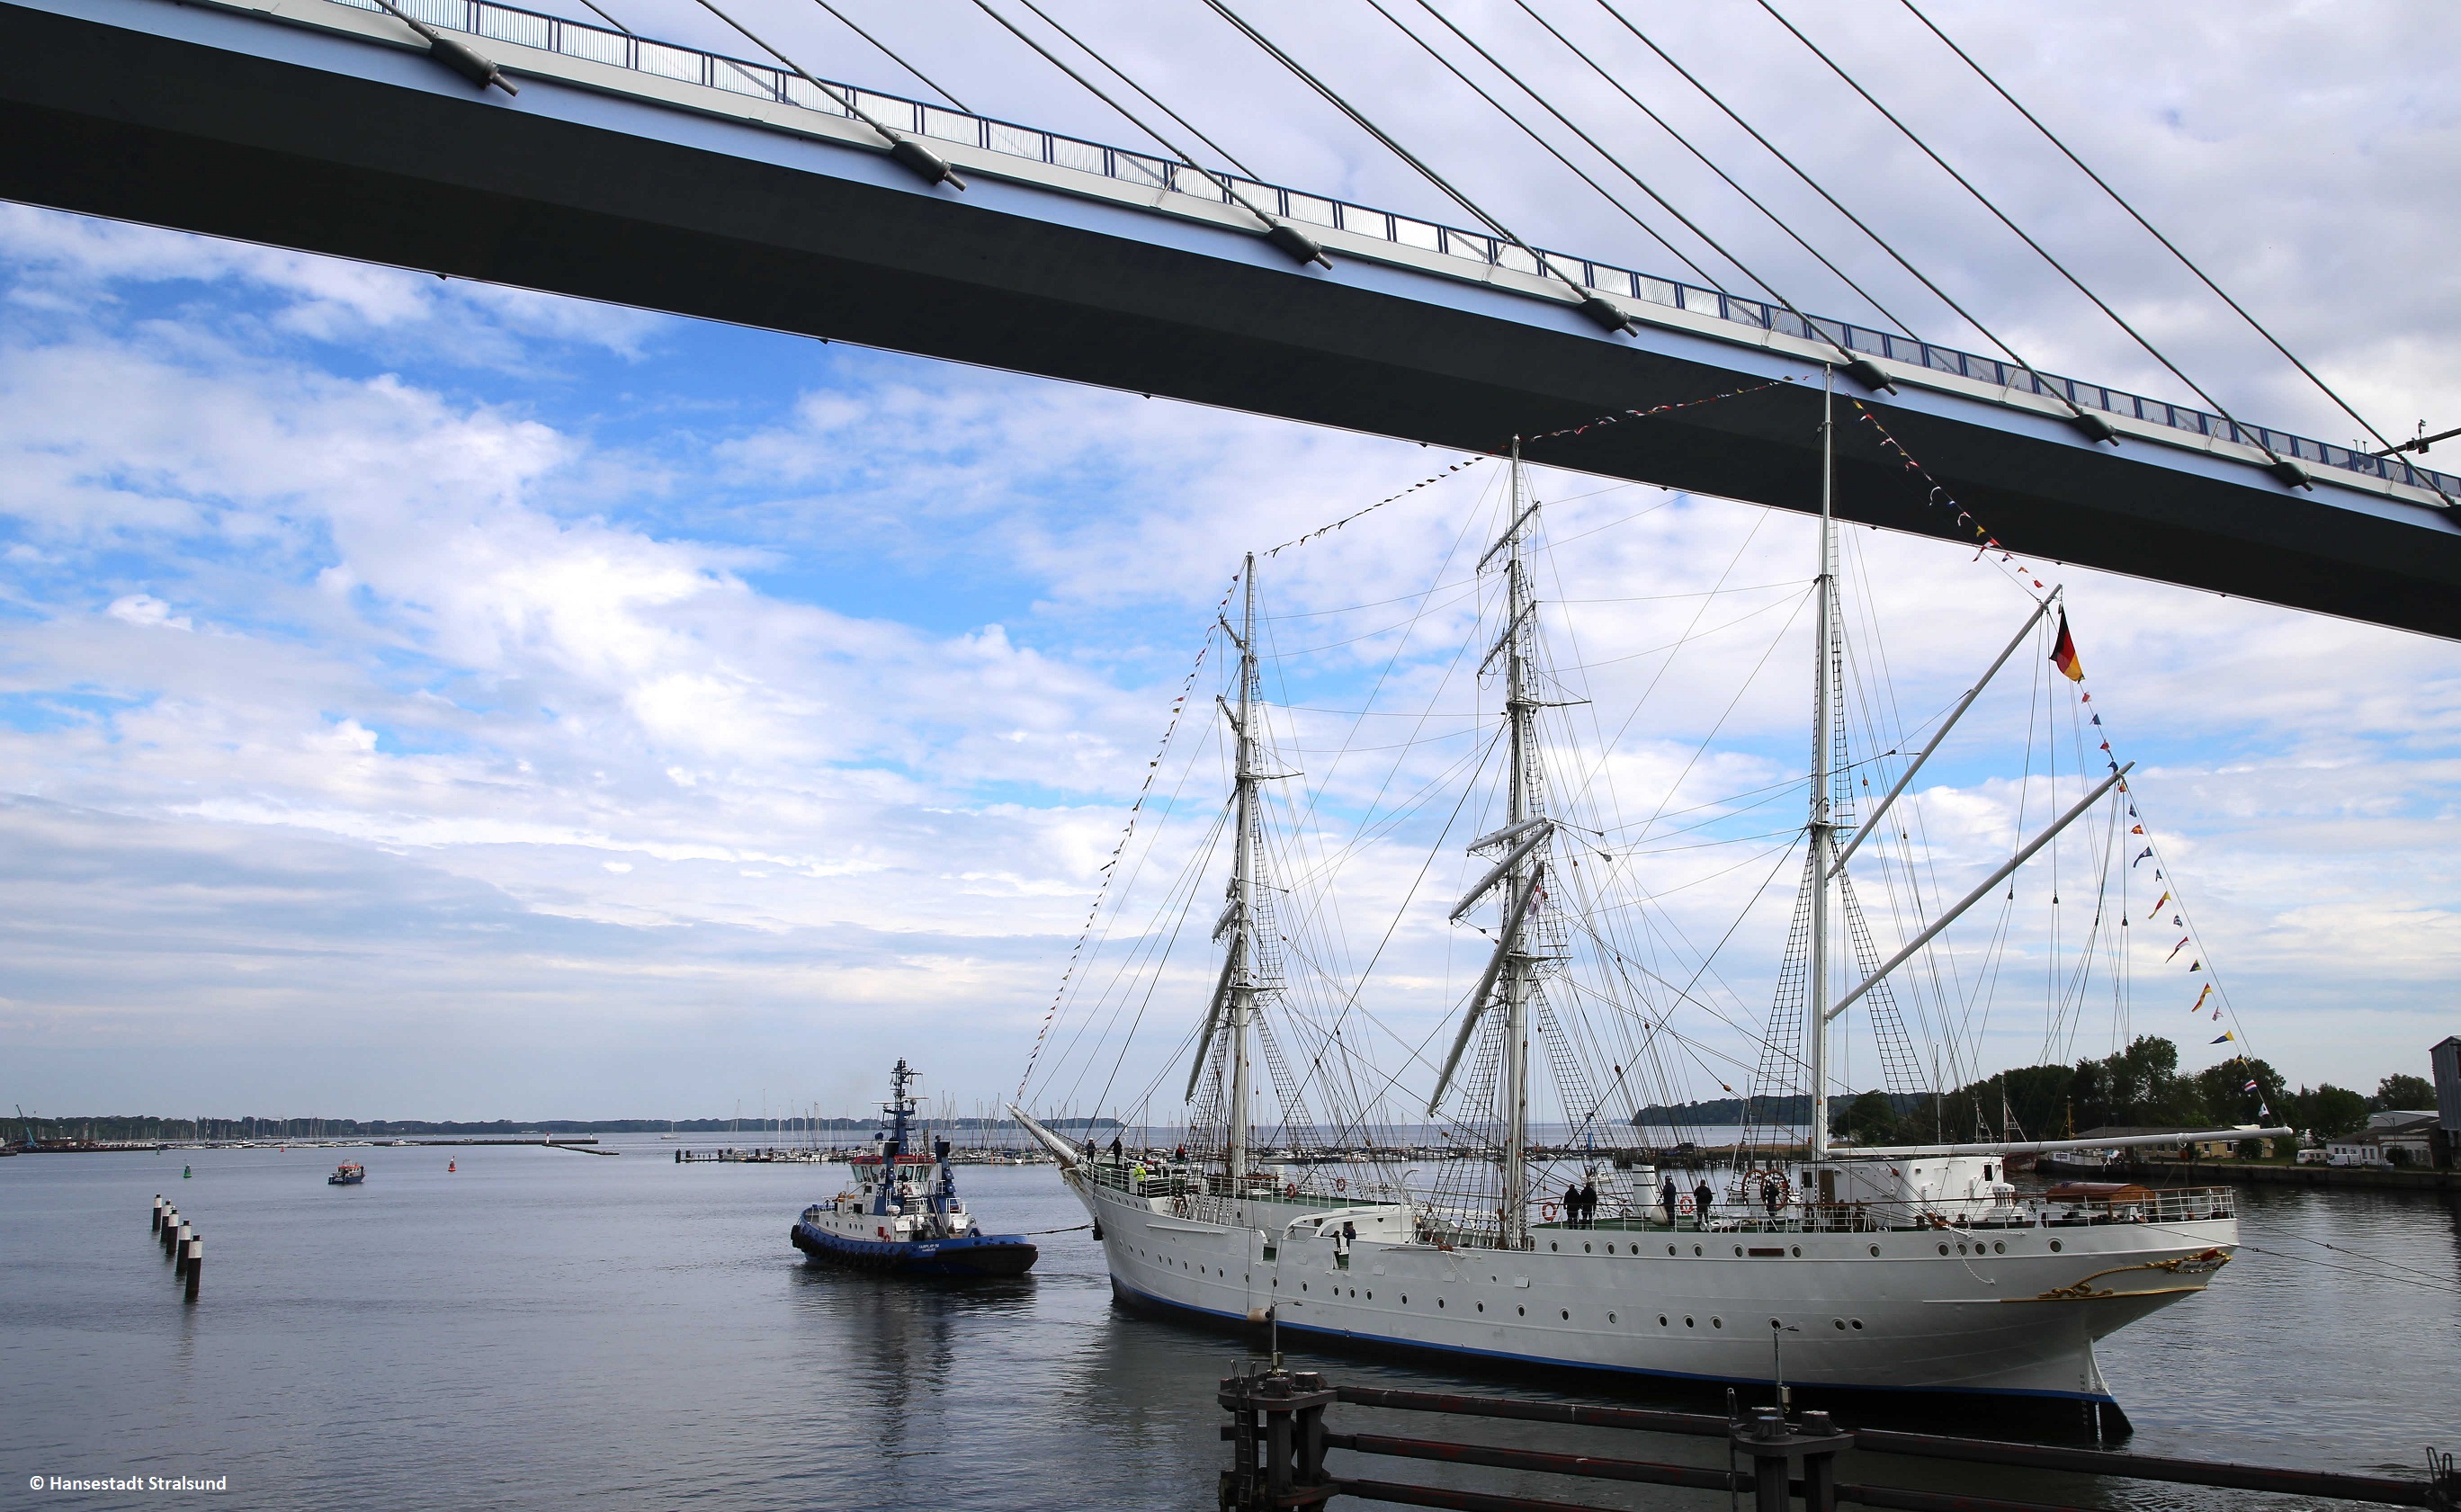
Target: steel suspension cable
(847, 22)
(1689, 225)
(1711, 164)
(1593, 304)
(1986, 201)
(1113, 69)
(1852, 358)
(2092, 425)
(2149, 230)
(1552, 151)
(1284, 236)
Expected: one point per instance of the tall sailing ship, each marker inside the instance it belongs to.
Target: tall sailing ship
(1898, 1268)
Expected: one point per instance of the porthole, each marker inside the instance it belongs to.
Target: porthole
(1440, 1302)
(2055, 1247)
(1302, 1286)
(1405, 1299)
(1482, 1307)
(1858, 1323)
(1840, 1324)
(1960, 1250)
(1798, 1251)
(1943, 1249)
(1998, 1247)
(1585, 1250)
(1687, 1323)
(1551, 1245)
(1739, 1251)
(1716, 1323)
(1611, 1318)
(1661, 1320)
(1567, 1315)
(1371, 1296)
(1670, 1250)
(1696, 1249)
(1775, 1325)
(1521, 1311)
(1354, 1291)
(1875, 1251)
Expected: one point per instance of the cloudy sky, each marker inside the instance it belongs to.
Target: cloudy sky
(431, 700)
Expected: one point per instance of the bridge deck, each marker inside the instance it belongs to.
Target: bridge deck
(674, 178)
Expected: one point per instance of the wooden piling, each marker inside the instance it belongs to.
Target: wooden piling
(179, 1248)
(196, 1254)
(170, 1227)
(157, 1214)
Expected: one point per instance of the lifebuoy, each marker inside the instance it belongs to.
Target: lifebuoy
(1290, 1188)
(1684, 1204)
(1548, 1210)
(1341, 1183)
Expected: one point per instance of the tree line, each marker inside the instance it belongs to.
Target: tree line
(2141, 1086)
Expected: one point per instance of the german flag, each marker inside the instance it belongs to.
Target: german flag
(2063, 654)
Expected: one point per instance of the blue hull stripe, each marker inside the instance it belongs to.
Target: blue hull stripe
(1164, 1304)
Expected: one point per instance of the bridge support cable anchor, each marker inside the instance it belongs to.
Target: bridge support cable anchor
(456, 54)
(903, 150)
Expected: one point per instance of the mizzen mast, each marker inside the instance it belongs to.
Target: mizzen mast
(1823, 824)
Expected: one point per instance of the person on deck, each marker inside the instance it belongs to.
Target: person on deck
(1115, 1147)
(1589, 1204)
(1571, 1205)
(1774, 1193)
(1667, 1198)
(1701, 1198)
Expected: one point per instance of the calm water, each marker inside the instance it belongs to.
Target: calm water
(546, 1329)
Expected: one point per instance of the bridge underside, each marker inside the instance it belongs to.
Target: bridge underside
(241, 127)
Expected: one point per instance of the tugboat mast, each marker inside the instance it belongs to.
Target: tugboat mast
(1824, 830)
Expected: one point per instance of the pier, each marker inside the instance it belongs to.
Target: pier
(1280, 1440)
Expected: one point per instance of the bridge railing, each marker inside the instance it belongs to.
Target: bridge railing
(551, 33)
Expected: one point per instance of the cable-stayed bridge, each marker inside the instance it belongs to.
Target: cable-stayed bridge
(674, 178)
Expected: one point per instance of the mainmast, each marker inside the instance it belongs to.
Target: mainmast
(1521, 800)
(1824, 829)
(1243, 954)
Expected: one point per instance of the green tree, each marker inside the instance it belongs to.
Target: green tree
(2223, 1091)
(2140, 1085)
(1869, 1119)
(2329, 1110)
(2399, 1091)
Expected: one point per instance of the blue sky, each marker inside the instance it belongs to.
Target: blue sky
(427, 699)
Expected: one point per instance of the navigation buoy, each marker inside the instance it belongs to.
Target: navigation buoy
(450, 1167)
(186, 1172)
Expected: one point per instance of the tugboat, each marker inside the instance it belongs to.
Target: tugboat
(902, 1213)
(349, 1173)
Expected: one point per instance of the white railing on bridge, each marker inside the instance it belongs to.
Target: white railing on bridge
(716, 71)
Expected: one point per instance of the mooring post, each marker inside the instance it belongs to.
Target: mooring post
(170, 1227)
(1776, 1445)
(157, 1214)
(1277, 1441)
(179, 1248)
(196, 1248)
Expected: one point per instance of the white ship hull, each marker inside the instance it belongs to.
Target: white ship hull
(2006, 1311)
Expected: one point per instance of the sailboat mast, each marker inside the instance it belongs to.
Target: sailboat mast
(1518, 708)
(1823, 829)
(1242, 973)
